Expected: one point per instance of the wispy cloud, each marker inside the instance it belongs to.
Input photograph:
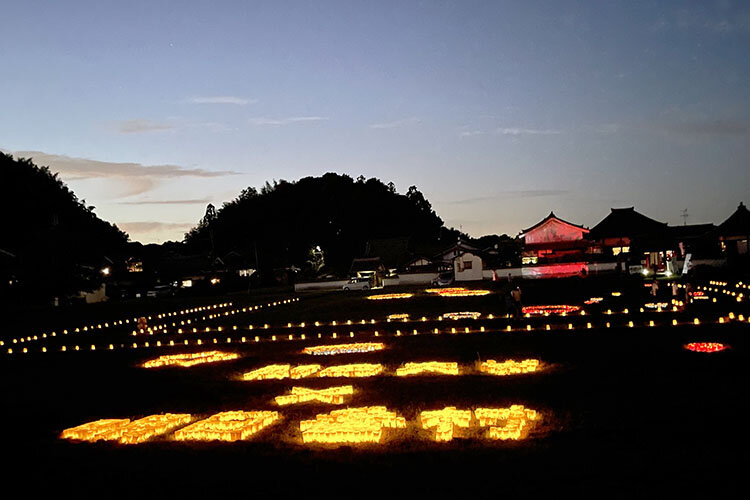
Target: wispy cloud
(139, 126)
(135, 177)
(523, 193)
(396, 124)
(471, 133)
(286, 121)
(710, 127)
(167, 202)
(526, 131)
(226, 99)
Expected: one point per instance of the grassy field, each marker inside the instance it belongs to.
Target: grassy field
(626, 410)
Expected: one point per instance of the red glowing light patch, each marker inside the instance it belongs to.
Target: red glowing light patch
(706, 347)
(555, 309)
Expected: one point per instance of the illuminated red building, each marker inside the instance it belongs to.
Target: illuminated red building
(554, 247)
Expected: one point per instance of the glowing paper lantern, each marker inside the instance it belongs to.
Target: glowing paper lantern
(593, 300)
(227, 426)
(706, 347)
(509, 367)
(190, 359)
(430, 367)
(444, 421)
(353, 425)
(344, 348)
(331, 395)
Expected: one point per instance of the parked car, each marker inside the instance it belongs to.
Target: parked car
(443, 279)
(358, 284)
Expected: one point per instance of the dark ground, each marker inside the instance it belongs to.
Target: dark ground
(627, 412)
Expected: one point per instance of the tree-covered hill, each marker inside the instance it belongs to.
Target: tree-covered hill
(53, 244)
(282, 223)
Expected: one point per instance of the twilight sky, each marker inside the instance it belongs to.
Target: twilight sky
(498, 111)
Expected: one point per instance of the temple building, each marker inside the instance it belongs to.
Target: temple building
(734, 233)
(554, 247)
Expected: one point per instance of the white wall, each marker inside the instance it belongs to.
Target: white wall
(473, 274)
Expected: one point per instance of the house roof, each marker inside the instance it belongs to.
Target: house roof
(738, 224)
(459, 247)
(552, 216)
(625, 222)
(692, 231)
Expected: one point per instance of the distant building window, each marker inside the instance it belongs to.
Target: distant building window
(742, 247)
(467, 264)
(529, 260)
(619, 250)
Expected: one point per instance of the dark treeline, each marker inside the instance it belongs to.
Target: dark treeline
(51, 243)
(284, 222)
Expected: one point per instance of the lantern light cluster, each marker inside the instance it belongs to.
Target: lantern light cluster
(281, 371)
(227, 426)
(353, 425)
(390, 296)
(352, 370)
(706, 346)
(328, 350)
(509, 367)
(397, 316)
(503, 423)
(463, 292)
(331, 395)
(444, 421)
(190, 359)
(517, 421)
(462, 315)
(546, 310)
(126, 431)
(428, 367)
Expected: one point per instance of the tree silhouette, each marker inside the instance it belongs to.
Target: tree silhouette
(58, 241)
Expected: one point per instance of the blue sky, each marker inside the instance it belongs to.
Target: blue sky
(498, 111)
